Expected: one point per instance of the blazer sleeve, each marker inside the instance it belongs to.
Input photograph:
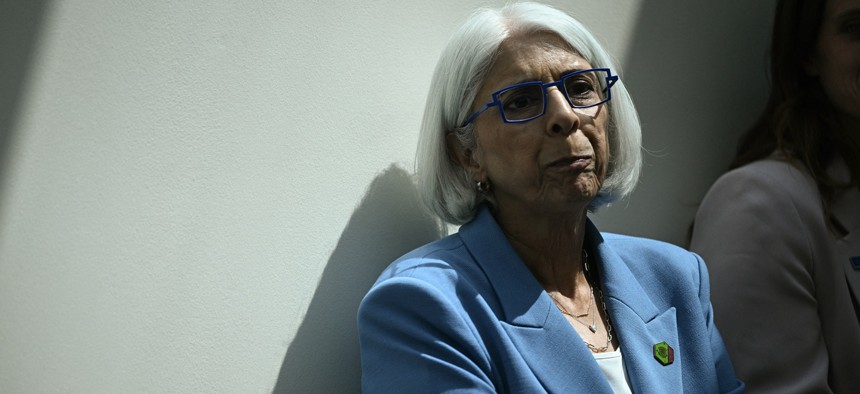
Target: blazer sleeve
(751, 235)
(725, 371)
(414, 339)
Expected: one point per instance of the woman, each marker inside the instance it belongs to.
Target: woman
(781, 231)
(526, 128)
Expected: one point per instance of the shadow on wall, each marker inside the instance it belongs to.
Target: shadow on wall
(697, 73)
(20, 23)
(390, 221)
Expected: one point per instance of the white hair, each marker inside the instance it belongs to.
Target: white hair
(445, 186)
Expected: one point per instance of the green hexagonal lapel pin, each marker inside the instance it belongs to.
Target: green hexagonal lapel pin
(664, 353)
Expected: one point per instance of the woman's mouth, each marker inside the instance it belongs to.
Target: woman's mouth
(577, 163)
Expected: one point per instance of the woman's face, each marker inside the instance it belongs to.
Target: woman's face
(554, 163)
(837, 58)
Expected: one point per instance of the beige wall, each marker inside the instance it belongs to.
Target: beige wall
(194, 195)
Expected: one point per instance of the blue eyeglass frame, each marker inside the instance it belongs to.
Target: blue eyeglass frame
(610, 81)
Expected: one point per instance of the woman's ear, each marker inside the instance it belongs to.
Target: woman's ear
(459, 154)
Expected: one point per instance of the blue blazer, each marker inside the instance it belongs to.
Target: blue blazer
(465, 313)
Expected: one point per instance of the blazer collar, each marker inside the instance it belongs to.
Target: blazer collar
(518, 291)
(520, 294)
(845, 208)
(618, 282)
(846, 211)
(638, 323)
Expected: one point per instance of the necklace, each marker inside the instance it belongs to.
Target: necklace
(593, 325)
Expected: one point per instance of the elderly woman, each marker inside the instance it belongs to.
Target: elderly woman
(526, 129)
(781, 230)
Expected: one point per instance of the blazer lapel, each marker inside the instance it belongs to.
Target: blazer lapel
(546, 342)
(846, 210)
(637, 322)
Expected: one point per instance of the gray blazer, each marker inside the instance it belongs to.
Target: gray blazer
(785, 288)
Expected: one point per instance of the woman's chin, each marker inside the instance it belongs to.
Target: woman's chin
(584, 190)
(572, 201)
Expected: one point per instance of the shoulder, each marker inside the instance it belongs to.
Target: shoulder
(770, 179)
(766, 194)
(769, 202)
(653, 260)
(417, 325)
(436, 262)
(647, 249)
(626, 244)
(443, 269)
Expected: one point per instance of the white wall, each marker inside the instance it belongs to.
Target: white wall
(195, 195)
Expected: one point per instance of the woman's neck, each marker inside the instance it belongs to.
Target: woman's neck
(551, 246)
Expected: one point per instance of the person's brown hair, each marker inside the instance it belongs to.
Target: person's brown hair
(798, 120)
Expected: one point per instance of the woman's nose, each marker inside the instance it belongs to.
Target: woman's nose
(561, 118)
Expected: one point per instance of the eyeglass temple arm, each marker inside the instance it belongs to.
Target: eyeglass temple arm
(610, 81)
(484, 108)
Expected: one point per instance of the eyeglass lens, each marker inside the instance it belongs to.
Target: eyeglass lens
(527, 101)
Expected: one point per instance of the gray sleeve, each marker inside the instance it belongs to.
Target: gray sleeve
(757, 249)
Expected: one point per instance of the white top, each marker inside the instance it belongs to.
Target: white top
(612, 365)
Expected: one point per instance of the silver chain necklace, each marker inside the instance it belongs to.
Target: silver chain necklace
(593, 325)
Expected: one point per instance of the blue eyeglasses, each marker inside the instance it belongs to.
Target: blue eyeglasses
(526, 101)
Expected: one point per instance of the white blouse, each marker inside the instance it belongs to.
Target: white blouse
(612, 365)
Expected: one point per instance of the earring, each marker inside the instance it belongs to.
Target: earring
(483, 187)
